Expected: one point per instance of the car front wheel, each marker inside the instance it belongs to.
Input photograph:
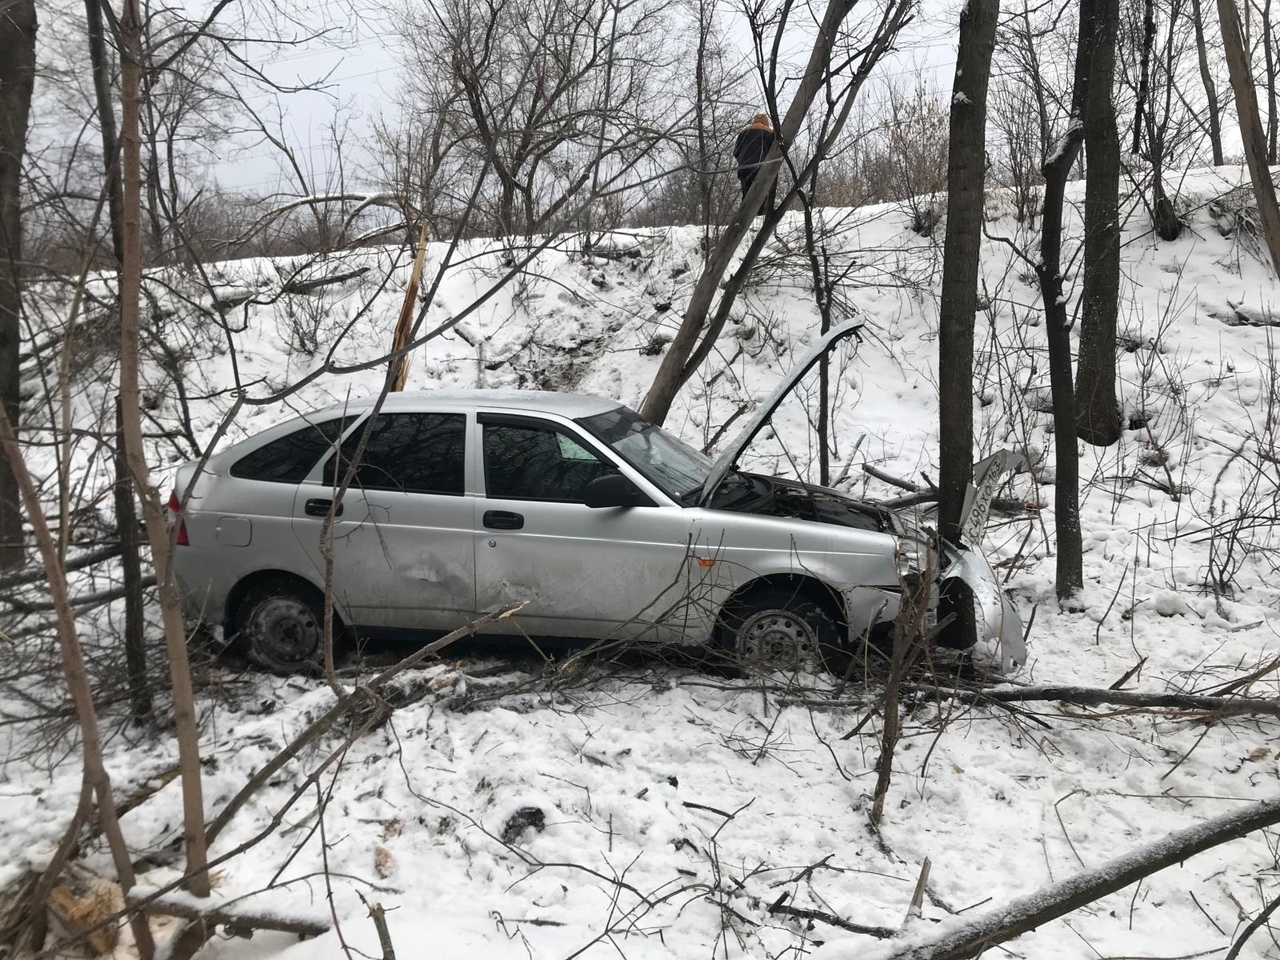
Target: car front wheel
(281, 627)
(781, 628)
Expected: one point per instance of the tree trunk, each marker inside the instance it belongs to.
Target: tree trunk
(966, 168)
(184, 717)
(1099, 411)
(1210, 88)
(17, 78)
(1269, 55)
(106, 121)
(135, 651)
(669, 377)
(1057, 170)
(126, 514)
(1251, 127)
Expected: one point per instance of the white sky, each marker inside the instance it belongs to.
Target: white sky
(362, 71)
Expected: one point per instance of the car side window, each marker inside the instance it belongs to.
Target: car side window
(533, 462)
(408, 452)
(289, 459)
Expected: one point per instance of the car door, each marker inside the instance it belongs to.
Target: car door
(584, 572)
(403, 545)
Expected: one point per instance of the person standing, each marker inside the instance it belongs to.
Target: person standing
(750, 149)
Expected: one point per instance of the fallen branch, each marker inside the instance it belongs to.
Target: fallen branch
(82, 603)
(315, 283)
(79, 563)
(1093, 697)
(780, 908)
(201, 925)
(237, 923)
(973, 937)
(890, 479)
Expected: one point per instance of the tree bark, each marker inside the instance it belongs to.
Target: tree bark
(101, 68)
(1056, 170)
(135, 651)
(17, 78)
(184, 717)
(966, 169)
(1097, 406)
(1210, 88)
(1269, 56)
(1251, 127)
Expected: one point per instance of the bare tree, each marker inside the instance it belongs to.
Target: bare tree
(1099, 410)
(1251, 127)
(1271, 69)
(1213, 112)
(966, 169)
(551, 96)
(131, 59)
(685, 352)
(1057, 170)
(17, 79)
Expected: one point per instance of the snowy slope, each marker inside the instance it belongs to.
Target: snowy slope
(677, 806)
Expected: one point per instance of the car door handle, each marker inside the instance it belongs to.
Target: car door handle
(320, 508)
(503, 520)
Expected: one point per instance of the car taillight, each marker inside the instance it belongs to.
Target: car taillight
(175, 509)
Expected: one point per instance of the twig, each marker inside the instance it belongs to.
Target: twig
(803, 913)
(378, 914)
(1252, 928)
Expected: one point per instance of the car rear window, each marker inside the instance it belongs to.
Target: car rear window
(289, 459)
(409, 452)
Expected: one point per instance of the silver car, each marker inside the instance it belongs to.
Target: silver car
(607, 526)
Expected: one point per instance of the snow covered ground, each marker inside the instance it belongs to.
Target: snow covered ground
(674, 806)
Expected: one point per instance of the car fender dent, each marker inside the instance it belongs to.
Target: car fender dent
(1000, 618)
(866, 606)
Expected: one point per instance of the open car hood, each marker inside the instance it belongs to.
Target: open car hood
(728, 459)
(988, 474)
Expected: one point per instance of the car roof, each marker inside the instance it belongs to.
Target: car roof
(572, 405)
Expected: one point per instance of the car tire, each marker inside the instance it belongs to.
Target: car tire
(280, 626)
(781, 629)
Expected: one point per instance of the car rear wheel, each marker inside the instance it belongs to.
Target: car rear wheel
(281, 626)
(781, 628)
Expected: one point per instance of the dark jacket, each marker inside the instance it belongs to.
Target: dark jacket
(751, 148)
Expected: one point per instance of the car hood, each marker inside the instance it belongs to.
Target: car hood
(988, 474)
(728, 459)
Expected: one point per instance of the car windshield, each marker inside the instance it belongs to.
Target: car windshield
(669, 462)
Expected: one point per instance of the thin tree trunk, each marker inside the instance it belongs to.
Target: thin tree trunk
(1098, 408)
(1251, 127)
(1066, 489)
(101, 69)
(135, 651)
(95, 772)
(1210, 88)
(966, 170)
(17, 79)
(1268, 52)
(130, 288)
(126, 513)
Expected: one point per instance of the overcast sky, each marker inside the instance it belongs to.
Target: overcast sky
(359, 66)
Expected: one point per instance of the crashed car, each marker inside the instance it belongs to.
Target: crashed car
(604, 525)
